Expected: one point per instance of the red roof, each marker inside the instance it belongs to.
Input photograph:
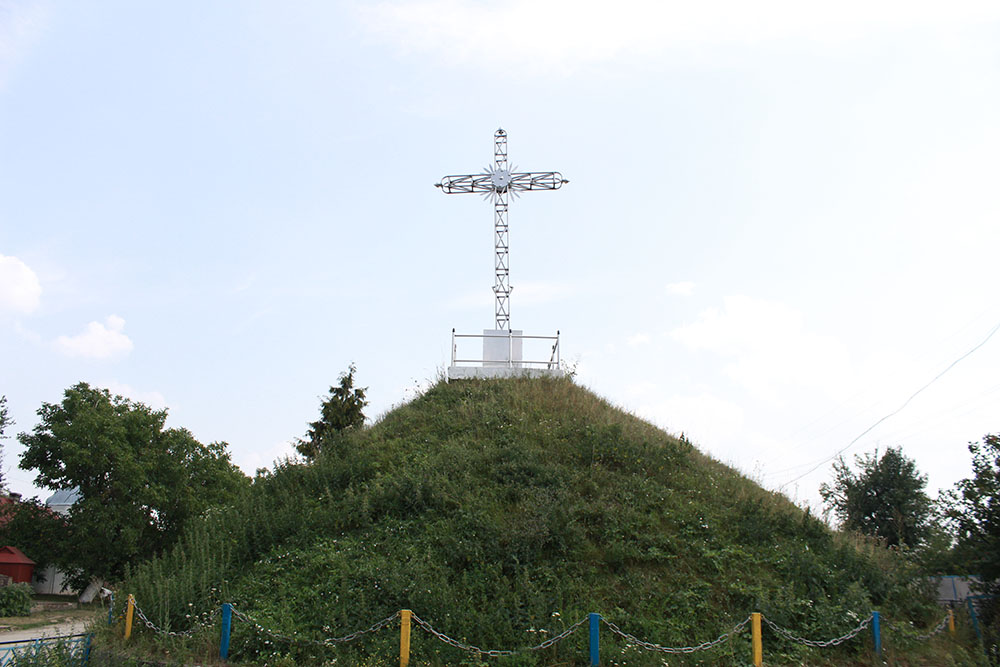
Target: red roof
(14, 555)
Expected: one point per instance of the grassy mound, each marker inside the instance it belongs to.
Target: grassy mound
(504, 511)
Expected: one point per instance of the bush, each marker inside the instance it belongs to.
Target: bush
(15, 600)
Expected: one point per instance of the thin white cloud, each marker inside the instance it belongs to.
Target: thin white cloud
(569, 33)
(680, 289)
(638, 339)
(533, 293)
(768, 347)
(20, 291)
(153, 399)
(21, 23)
(98, 341)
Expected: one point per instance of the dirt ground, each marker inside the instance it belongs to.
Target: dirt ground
(47, 623)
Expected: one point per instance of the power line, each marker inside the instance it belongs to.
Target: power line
(894, 412)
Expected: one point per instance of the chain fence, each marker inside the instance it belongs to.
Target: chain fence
(205, 619)
(635, 641)
(817, 643)
(469, 648)
(329, 641)
(936, 630)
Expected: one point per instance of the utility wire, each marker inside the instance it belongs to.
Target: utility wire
(893, 413)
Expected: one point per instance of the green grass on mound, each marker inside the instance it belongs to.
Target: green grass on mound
(502, 512)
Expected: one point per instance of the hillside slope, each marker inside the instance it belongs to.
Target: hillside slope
(503, 511)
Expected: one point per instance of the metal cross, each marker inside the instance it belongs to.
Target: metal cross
(496, 184)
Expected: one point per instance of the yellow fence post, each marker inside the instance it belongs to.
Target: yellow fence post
(758, 648)
(128, 616)
(951, 622)
(404, 637)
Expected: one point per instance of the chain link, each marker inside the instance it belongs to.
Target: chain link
(469, 648)
(815, 643)
(330, 641)
(938, 628)
(206, 619)
(633, 640)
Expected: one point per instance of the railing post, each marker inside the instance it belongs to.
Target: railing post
(227, 626)
(510, 348)
(128, 616)
(453, 350)
(758, 647)
(975, 620)
(951, 621)
(404, 637)
(595, 639)
(877, 633)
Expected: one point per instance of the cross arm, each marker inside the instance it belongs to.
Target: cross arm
(519, 182)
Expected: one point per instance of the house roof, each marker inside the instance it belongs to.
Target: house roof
(63, 497)
(14, 555)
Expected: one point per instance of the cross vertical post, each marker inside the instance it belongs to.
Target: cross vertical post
(498, 183)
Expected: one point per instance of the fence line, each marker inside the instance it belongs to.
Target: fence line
(228, 612)
(77, 646)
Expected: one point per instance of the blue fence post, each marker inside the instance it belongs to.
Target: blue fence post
(877, 633)
(227, 624)
(975, 621)
(595, 639)
(111, 610)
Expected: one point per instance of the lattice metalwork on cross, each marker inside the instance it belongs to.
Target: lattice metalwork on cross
(497, 184)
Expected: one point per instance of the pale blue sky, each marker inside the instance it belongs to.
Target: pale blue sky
(781, 220)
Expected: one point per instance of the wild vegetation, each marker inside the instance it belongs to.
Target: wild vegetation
(502, 512)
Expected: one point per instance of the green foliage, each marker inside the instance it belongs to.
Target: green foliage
(884, 499)
(59, 653)
(975, 513)
(38, 532)
(15, 600)
(5, 421)
(342, 410)
(139, 482)
(504, 511)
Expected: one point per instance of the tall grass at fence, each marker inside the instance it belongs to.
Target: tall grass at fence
(501, 511)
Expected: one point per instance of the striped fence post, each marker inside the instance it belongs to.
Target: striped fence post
(758, 646)
(128, 616)
(404, 637)
(595, 639)
(877, 632)
(227, 626)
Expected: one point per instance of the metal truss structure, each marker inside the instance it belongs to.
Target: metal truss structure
(498, 184)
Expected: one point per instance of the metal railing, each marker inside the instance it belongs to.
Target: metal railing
(552, 363)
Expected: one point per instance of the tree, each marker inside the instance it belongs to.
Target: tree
(885, 498)
(139, 482)
(975, 513)
(5, 421)
(975, 510)
(340, 412)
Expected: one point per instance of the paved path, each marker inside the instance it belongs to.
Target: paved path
(71, 627)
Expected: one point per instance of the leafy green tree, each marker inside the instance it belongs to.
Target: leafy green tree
(5, 421)
(975, 510)
(975, 514)
(885, 498)
(138, 481)
(39, 532)
(342, 410)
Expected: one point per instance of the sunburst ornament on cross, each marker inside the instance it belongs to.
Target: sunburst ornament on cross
(498, 184)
